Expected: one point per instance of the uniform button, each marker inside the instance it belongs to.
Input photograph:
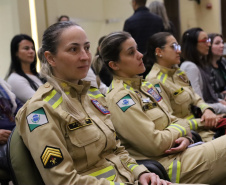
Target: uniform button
(47, 85)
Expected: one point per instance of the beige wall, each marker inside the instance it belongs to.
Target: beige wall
(197, 15)
(97, 17)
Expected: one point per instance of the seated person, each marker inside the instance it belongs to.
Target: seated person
(68, 133)
(175, 83)
(194, 49)
(23, 76)
(146, 127)
(217, 65)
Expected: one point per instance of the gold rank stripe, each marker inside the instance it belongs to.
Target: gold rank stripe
(50, 152)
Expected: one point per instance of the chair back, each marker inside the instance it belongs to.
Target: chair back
(22, 167)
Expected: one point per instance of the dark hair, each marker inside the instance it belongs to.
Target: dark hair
(111, 46)
(158, 40)
(210, 54)
(189, 46)
(63, 16)
(141, 2)
(15, 65)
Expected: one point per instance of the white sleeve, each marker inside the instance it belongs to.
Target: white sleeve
(20, 87)
(193, 73)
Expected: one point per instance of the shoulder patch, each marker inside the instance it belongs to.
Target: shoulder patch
(36, 119)
(51, 157)
(100, 107)
(125, 103)
(158, 88)
(154, 94)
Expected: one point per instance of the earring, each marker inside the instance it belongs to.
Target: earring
(160, 55)
(156, 54)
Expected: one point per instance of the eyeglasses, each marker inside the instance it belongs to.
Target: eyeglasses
(176, 47)
(205, 40)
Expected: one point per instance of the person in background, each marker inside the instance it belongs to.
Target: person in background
(144, 125)
(63, 18)
(217, 65)
(9, 106)
(142, 24)
(159, 9)
(163, 53)
(194, 49)
(78, 143)
(23, 76)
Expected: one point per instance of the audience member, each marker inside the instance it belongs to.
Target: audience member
(159, 9)
(63, 18)
(217, 65)
(23, 76)
(195, 47)
(100, 69)
(9, 106)
(163, 52)
(144, 125)
(78, 142)
(142, 24)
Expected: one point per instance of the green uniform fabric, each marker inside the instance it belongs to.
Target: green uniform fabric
(181, 96)
(148, 132)
(73, 149)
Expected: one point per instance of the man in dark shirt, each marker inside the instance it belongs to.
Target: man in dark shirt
(142, 24)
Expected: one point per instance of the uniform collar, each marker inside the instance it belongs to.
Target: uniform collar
(134, 82)
(168, 71)
(81, 88)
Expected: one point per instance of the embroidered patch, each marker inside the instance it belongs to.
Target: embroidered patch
(158, 88)
(125, 103)
(51, 157)
(77, 125)
(100, 107)
(36, 119)
(183, 78)
(154, 94)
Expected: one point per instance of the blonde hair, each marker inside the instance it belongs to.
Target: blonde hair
(50, 42)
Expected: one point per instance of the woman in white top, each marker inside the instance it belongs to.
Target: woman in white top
(23, 76)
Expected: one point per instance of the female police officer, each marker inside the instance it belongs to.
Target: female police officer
(146, 128)
(164, 54)
(68, 132)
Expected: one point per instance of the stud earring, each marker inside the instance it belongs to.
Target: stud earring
(160, 55)
(156, 54)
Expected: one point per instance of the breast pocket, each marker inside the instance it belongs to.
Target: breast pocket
(159, 118)
(82, 133)
(181, 98)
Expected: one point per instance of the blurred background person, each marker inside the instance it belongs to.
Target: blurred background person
(194, 48)
(159, 9)
(63, 18)
(23, 76)
(142, 24)
(217, 65)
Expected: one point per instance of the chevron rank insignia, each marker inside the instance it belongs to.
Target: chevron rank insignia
(36, 119)
(51, 157)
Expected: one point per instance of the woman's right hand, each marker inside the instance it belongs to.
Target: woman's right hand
(181, 145)
(152, 179)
